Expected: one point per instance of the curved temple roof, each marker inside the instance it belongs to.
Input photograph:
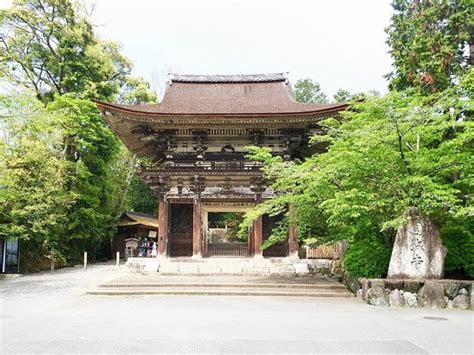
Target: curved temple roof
(257, 95)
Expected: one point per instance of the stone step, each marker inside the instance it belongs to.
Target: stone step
(216, 292)
(335, 287)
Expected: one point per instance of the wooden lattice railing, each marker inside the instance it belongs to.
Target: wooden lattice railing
(324, 251)
(228, 249)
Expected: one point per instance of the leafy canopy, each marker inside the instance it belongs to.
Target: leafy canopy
(429, 41)
(309, 91)
(50, 47)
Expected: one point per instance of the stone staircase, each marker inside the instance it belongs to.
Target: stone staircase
(147, 285)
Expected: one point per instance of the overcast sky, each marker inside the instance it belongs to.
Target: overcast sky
(340, 44)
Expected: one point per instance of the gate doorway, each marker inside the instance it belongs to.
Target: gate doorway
(181, 230)
(280, 249)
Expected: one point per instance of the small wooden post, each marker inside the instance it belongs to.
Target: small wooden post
(51, 260)
(118, 259)
(85, 260)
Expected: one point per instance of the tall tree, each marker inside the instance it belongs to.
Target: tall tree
(385, 155)
(342, 95)
(50, 46)
(429, 41)
(309, 91)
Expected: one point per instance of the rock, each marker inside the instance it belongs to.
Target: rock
(418, 252)
(377, 282)
(463, 291)
(461, 302)
(393, 284)
(432, 295)
(450, 304)
(472, 297)
(365, 288)
(377, 297)
(359, 293)
(451, 289)
(336, 267)
(411, 286)
(410, 299)
(396, 299)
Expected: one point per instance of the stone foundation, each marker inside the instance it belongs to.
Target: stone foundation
(451, 294)
(245, 266)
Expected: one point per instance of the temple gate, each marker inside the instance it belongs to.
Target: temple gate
(197, 140)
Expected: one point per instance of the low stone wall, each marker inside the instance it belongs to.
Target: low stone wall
(451, 294)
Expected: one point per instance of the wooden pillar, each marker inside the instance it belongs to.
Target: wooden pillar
(257, 237)
(197, 226)
(250, 241)
(162, 225)
(293, 238)
(257, 232)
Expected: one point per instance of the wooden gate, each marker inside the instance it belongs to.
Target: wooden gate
(181, 230)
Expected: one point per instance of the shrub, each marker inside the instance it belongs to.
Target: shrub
(459, 260)
(368, 257)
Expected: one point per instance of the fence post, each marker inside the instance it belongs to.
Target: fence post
(118, 259)
(85, 260)
(51, 260)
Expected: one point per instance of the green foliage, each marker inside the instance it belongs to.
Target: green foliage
(33, 176)
(342, 95)
(460, 244)
(385, 155)
(368, 257)
(64, 177)
(429, 41)
(50, 47)
(309, 91)
(141, 198)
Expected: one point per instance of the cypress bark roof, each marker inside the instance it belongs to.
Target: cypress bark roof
(135, 218)
(226, 95)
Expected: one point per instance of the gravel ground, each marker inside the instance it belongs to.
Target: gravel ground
(48, 313)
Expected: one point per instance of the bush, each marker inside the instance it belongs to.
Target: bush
(368, 257)
(459, 260)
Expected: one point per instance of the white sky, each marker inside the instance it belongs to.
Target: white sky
(340, 44)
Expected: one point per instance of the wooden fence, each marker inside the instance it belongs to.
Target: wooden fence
(324, 251)
(228, 249)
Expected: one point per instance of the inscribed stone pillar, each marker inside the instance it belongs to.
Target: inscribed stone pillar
(293, 238)
(418, 251)
(197, 226)
(162, 225)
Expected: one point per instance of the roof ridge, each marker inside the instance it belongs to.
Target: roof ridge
(228, 78)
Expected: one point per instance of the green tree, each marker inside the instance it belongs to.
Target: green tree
(429, 43)
(385, 155)
(141, 198)
(342, 95)
(50, 47)
(34, 200)
(309, 91)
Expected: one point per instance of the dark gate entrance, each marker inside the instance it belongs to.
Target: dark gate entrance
(181, 230)
(279, 249)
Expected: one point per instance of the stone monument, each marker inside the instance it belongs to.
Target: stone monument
(418, 252)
